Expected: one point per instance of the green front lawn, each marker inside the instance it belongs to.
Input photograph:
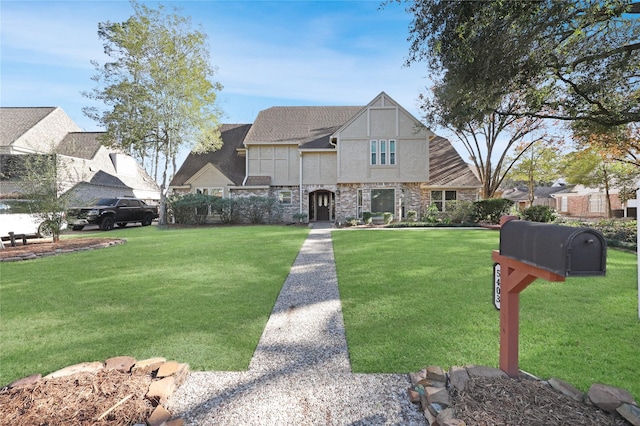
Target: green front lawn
(425, 297)
(201, 296)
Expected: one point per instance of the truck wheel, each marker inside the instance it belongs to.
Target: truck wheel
(45, 230)
(122, 224)
(77, 227)
(147, 220)
(107, 223)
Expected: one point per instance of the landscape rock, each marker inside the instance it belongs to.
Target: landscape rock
(167, 369)
(84, 367)
(436, 373)
(146, 366)
(120, 363)
(159, 416)
(458, 377)
(25, 381)
(438, 396)
(488, 372)
(566, 389)
(161, 390)
(608, 398)
(631, 413)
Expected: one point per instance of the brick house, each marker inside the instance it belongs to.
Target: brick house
(333, 162)
(93, 171)
(583, 202)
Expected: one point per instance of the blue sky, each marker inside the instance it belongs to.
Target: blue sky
(267, 52)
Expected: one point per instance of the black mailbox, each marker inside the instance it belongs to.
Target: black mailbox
(564, 250)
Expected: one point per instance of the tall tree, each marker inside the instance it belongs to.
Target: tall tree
(597, 169)
(157, 90)
(566, 59)
(539, 165)
(488, 139)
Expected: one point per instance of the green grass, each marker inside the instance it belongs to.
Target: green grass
(424, 297)
(201, 296)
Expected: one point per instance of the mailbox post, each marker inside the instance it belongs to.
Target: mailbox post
(529, 251)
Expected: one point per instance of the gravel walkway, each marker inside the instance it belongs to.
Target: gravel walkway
(300, 373)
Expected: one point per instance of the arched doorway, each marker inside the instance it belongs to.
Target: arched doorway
(321, 206)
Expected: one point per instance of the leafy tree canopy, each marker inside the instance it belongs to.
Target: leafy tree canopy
(566, 59)
(156, 89)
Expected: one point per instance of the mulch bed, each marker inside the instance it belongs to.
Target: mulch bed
(39, 246)
(502, 402)
(108, 397)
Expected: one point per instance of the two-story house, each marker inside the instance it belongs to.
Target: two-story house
(89, 170)
(334, 162)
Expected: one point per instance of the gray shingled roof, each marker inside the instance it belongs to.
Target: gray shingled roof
(80, 144)
(17, 120)
(446, 167)
(102, 178)
(307, 126)
(226, 159)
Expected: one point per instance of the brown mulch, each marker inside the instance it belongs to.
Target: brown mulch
(38, 246)
(108, 397)
(498, 402)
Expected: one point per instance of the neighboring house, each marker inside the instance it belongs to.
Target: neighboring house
(542, 196)
(583, 202)
(333, 163)
(90, 169)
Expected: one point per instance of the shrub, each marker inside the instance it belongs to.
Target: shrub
(490, 210)
(432, 215)
(412, 215)
(458, 212)
(351, 221)
(539, 214)
(388, 217)
(300, 217)
(230, 210)
(366, 217)
(192, 209)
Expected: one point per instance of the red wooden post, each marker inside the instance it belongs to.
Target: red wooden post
(516, 276)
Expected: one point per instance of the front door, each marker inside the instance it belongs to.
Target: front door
(320, 206)
(323, 200)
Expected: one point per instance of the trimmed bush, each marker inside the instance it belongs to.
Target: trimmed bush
(539, 214)
(192, 209)
(490, 210)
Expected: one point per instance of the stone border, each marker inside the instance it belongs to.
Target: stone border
(166, 378)
(430, 389)
(30, 255)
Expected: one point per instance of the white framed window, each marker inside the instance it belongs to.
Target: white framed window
(382, 152)
(441, 198)
(596, 203)
(383, 200)
(284, 197)
(564, 205)
(359, 203)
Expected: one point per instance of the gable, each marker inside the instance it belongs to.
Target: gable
(208, 176)
(226, 159)
(383, 117)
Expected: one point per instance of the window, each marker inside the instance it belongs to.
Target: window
(596, 203)
(440, 199)
(284, 197)
(359, 203)
(563, 204)
(382, 201)
(383, 152)
(215, 192)
(374, 145)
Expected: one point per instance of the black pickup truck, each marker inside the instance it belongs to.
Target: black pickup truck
(107, 212)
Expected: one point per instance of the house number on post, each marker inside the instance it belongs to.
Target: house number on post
(496, 286)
